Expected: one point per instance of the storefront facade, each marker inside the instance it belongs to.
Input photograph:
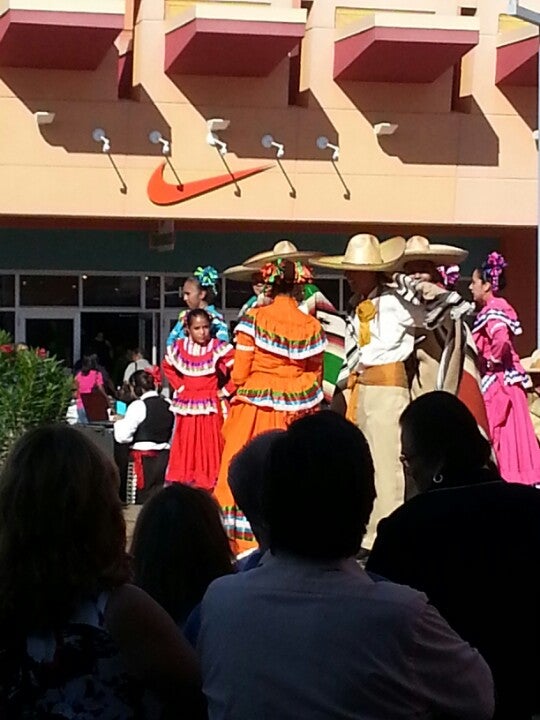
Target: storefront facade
(107, 131)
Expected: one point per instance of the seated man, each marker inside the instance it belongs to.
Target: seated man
(307, 634)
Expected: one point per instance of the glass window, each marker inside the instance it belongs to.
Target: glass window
(7, 290)
(173, 287)
(111, 291)
(7, 322)
(49, 290)
(330, 289)
(152, 291)
(237, 293)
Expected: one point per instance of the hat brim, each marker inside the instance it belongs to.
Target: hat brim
(258, 261)
(438, 254)
(526, 363)
(240, 273)
(392, 249)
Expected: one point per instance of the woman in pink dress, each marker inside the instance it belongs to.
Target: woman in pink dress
(504, 380)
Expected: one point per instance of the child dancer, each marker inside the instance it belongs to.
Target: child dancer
(200, 291)
(197, 368)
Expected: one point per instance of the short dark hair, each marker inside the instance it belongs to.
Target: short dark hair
(319, 488)
(141, 382)
(62, 531)
(446, 432)
(197, 313)
(179, 547)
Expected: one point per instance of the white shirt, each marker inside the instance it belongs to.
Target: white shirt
(133, 367)
(292, 639)
(392, 329)
(125, 429)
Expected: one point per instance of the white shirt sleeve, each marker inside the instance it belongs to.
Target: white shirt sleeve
(452, 676)
(125, 429)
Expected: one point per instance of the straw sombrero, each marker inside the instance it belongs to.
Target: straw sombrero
(531, 364)
(240, 273)
(283, 249)
(365, 252)
(419, 248)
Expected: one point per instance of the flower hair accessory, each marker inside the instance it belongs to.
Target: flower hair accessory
(206, 276)
(154, 372)
(272, 272)
(493, 268)
(450, 275)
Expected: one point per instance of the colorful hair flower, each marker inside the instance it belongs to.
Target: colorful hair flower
(206, 276)
(493, 268)
(154, 372)
(272, 271)
(302, 273)
(450, 275)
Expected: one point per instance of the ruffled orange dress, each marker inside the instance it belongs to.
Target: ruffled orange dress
(278, 374)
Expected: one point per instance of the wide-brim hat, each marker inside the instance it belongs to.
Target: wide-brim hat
(531, 364)
(242, 273)
(419, 248)
(366, 252)
(284, 249)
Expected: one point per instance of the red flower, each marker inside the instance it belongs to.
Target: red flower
(7, 348)
(42, 353)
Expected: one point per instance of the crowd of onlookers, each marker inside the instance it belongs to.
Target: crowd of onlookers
(442, 623)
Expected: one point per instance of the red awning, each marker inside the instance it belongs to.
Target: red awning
(517, 58)
(62, 40)
(245, 41)
(402, 47)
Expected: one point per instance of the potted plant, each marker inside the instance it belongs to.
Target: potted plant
(34, 390)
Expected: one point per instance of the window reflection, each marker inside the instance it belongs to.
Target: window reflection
(111, 290)
(49, 290)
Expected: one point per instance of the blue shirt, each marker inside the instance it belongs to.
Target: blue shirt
(218, 327)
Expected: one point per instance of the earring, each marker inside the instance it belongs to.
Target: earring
(438, 478)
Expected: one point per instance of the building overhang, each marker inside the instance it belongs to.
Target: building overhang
(402, 47)
(223, 39)
(58, 34)
(517, 58)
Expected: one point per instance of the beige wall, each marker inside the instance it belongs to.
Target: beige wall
(441, 167)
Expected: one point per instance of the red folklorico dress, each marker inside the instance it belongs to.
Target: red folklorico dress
(199, 376)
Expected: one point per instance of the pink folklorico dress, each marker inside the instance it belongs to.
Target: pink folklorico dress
(504, 382)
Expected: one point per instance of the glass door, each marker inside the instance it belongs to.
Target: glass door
(54, 329)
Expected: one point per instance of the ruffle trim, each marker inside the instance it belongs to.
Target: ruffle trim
(283, 401)
(280, 345)
(236, 525)
(499, 316)
(191, 406)
(510, 377)
(196, 360)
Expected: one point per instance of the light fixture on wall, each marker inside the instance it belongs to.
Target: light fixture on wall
(385, 128)
(98, 135)
(156, 138)
(44, 117)
(323, 143)
(267, 141)
(213, 126)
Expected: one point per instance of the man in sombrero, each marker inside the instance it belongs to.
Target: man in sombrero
(380, 340)
(451, 344)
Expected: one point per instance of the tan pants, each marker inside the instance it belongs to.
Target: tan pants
(378, 412)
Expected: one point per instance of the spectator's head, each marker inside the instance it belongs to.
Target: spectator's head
(246, 478)
(441, 443)
(179, 547)
(319, 488)
(137, 354)
(142, 382)
(62, 531)
(89, 362)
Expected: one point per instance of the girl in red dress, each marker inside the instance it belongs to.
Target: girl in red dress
(198, 369)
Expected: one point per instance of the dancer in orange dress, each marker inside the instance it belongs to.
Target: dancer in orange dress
(197, 368)
(277, 372)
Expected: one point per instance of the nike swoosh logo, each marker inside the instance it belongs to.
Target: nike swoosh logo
(161, 192)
